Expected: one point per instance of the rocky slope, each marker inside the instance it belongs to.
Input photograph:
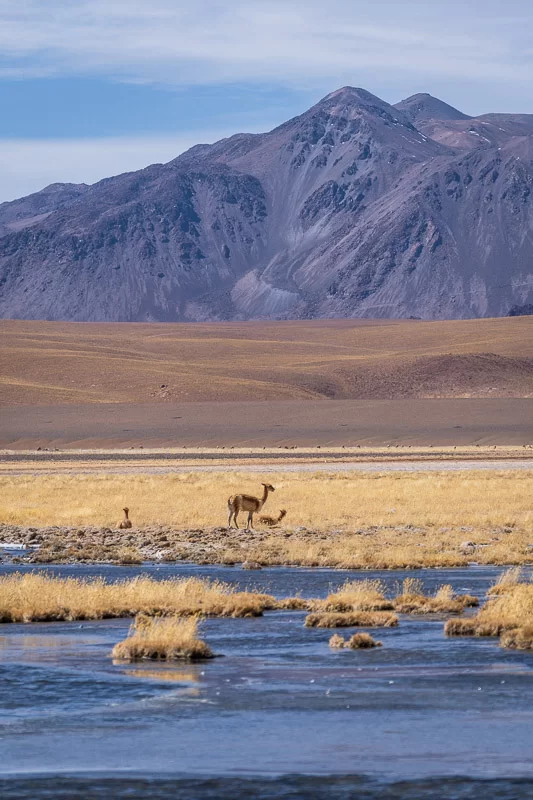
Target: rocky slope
(355, 208)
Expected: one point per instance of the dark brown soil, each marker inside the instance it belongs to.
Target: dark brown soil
(416, 422)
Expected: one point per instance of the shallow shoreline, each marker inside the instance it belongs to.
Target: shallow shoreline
(373, 547)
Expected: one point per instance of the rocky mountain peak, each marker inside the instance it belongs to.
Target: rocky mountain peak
(424, 106)
(352, 101)
(354, 95)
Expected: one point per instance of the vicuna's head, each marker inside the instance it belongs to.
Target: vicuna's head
(282, 513)
(268, 487)
(126, 511)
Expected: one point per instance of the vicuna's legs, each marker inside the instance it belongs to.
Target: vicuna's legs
(233, 507)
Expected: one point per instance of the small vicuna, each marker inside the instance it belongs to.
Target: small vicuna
(272, 521)
(124, 523)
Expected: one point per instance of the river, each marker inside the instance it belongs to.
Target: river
(278, 715)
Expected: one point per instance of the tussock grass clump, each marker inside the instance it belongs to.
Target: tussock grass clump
(519, 638)
(294, 604)
(164, 638)
(359, 641)
(412, 600)
(508, 580)
(362, 641)
(34, 597)
(509, 611)
(128, 556)
(470, 626)
(359, 619)
(366, 595)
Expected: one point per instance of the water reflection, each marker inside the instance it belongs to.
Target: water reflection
(185, 674)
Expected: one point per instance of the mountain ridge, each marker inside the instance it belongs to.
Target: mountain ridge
(355, 208)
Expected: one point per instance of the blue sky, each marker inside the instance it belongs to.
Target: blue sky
(90, 88)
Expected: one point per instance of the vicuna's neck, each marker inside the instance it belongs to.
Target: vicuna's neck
(265, 493)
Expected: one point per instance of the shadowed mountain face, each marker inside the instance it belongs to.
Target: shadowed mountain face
(356, 208)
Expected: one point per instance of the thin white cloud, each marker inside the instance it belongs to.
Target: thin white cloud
(28, 165)
(290, 42)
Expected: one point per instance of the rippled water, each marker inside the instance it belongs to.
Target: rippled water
(280, 715)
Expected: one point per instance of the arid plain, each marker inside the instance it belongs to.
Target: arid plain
(170, 420)
(303, 384)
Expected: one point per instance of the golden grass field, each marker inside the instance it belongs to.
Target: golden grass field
(348, 520)
(317, 500)
(47, 363)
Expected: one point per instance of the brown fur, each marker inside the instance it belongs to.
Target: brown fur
(126, 522)
(271, 521)
(245, 502)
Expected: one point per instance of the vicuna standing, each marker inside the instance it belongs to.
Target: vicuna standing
(245, 502)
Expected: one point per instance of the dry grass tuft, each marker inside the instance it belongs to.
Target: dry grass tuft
(511, 610)
(362, 641)
(128, 556)
(518, 638)
(468, 600)
(337, 641)
(360, 619)
(293, 604)
(469, 626)
(34, 597)
(508, 580)
(412, 600)
(165, 638)
(366, 595)
(359, 641)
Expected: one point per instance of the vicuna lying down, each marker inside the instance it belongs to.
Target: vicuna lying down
(126, 521)
(271, 521)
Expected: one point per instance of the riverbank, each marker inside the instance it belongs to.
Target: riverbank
(378, 547)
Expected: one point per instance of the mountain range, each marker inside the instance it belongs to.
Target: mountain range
(355, 208)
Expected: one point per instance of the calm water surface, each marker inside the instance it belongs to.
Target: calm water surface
(280, 715)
